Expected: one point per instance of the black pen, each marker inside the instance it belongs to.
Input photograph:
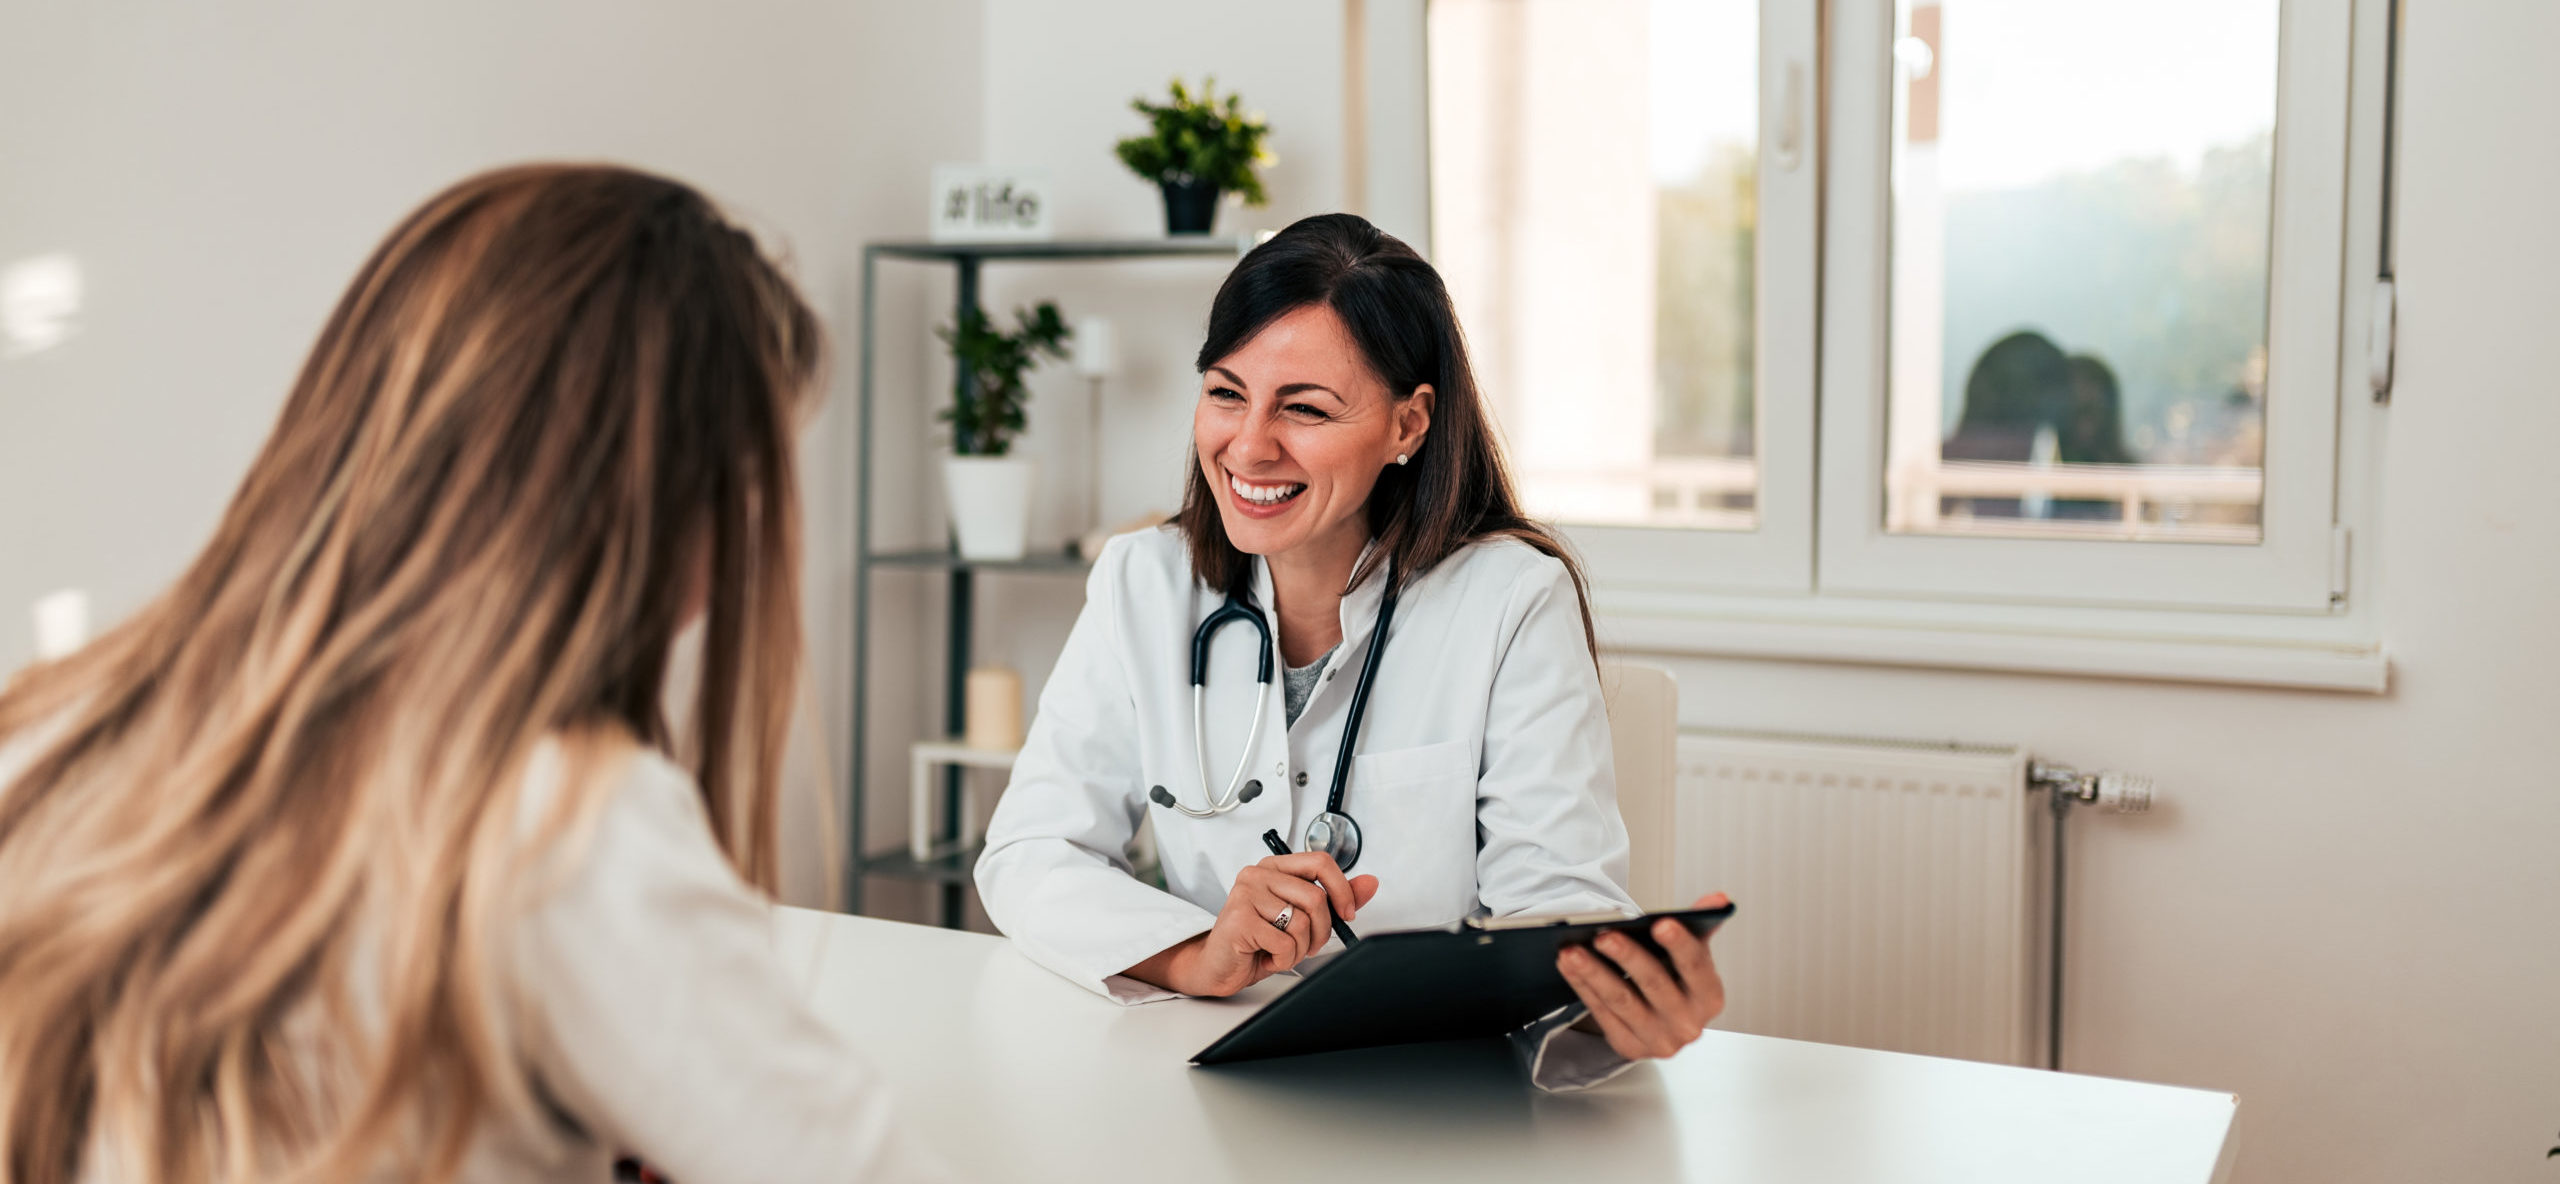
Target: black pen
(1271, 839)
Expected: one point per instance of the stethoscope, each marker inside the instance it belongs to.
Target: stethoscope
(1332, 832)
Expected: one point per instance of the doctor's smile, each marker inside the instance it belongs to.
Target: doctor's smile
(1261, 498)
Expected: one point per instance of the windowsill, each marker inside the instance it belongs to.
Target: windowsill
(2333, 653)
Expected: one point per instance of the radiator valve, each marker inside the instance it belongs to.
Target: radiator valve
(2114, 793)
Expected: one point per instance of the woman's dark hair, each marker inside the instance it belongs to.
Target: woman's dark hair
(1457, 489)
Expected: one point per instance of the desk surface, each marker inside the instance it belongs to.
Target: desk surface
(1017, 1075)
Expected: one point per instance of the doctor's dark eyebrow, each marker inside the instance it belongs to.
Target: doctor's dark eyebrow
(1286, 389)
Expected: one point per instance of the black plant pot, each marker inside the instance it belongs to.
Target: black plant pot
(1190, 207)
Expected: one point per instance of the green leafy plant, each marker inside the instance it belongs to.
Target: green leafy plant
(986, 420)
(1197, 137)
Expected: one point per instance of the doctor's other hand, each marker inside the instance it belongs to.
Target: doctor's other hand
(1642, 1007)
(1243, 947)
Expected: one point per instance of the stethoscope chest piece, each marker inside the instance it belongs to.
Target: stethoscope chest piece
(1335, 835)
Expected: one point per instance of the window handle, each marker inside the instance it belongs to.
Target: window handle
(1791, 119)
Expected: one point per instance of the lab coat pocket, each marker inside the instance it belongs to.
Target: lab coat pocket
(1417, 813)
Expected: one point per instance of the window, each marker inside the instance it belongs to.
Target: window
(2078, 310)
(2062, 360)
(2074, 273)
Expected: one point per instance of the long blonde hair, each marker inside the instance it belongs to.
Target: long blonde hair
(553, 402)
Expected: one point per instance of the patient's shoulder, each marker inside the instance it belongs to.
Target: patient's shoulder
(576, 781)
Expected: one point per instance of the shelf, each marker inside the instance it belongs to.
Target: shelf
(958, 752)
(1230, 247)
(950, 873)
(1036, 561)
(941, 869)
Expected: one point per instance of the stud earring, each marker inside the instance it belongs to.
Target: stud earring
(1401, 458)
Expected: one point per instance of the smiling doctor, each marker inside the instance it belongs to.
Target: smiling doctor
(1349, 537)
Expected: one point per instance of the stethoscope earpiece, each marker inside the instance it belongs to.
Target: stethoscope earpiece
(1164, 797)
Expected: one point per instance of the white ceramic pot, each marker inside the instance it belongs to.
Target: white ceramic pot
(990, 500)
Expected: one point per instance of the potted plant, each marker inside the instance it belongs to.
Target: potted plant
(1197, 150)
(990, 490)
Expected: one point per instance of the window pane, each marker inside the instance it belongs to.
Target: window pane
(2079, 300)
(1593, 169)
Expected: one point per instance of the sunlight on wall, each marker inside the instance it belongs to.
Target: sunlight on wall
(62, 623)
(1594, 212)
(39, 301)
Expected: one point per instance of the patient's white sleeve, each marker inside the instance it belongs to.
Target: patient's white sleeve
(657, 1015)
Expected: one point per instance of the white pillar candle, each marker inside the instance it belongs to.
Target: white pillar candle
(994, 709)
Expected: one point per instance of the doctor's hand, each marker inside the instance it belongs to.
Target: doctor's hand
(1242, 946)
(1642, 1007)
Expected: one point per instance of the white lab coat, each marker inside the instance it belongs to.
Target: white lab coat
(1482, 780)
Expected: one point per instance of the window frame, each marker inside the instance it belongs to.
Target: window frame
(1776, 555)
(2289, 570)
(1827, 601)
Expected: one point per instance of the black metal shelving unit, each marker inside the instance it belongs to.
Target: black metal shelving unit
(949, 872)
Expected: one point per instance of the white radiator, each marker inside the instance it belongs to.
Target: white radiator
(1891, 896)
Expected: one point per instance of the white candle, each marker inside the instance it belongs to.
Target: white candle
(994, 709)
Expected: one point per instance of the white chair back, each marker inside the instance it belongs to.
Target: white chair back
(1644, 735)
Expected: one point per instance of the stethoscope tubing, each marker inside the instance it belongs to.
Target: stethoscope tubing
(1232, 610)
(1239, 790)
(1234, 796)
(1360, 703)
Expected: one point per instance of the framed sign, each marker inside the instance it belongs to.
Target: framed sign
(982, 203)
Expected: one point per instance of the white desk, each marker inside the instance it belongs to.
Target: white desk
(1016, 1075)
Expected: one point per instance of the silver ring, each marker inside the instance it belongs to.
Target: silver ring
(1281, 922)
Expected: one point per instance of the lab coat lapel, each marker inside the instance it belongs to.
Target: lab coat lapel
(1360, 611)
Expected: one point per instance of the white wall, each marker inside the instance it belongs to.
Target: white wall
(219, 171)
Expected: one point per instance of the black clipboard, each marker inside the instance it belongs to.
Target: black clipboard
(1420, 985)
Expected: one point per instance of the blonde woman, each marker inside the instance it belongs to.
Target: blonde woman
(362, 853)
